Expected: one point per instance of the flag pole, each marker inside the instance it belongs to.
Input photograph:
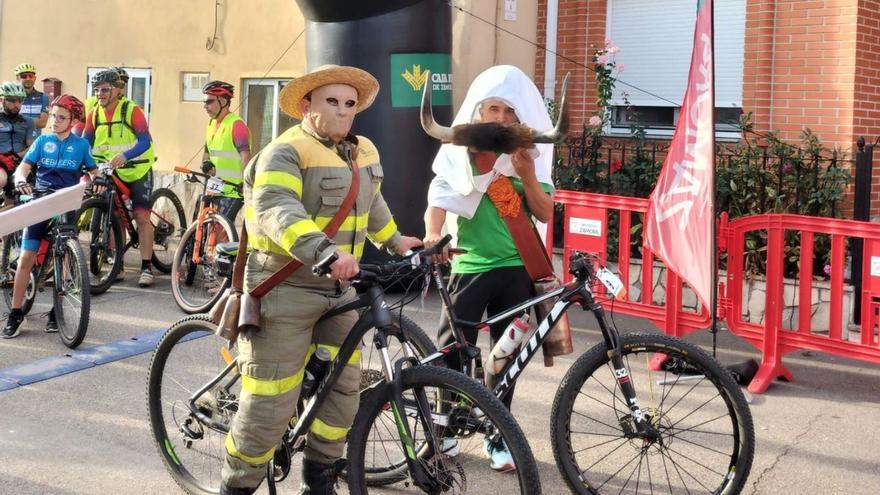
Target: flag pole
(712, 194)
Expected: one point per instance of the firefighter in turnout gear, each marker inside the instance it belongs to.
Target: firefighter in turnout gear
(292, 189)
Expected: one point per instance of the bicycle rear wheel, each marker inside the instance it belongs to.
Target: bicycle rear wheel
(187, 358)
(8, 262)
(103, 247)
(197, 286)
(72, 296)
(706, 442)
(169, 224)
(465, 420)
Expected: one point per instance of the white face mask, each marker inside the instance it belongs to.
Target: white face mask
(331, 110)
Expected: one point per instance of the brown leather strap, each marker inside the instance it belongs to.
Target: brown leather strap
(330, 231)
(522, 230)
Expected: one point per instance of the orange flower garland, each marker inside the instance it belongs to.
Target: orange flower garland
(504, 197)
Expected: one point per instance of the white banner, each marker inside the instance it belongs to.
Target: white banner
(61, 201)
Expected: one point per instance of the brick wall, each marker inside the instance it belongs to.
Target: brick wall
(807, 64)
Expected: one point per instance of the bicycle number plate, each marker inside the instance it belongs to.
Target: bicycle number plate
(215, 186)
(611, 282)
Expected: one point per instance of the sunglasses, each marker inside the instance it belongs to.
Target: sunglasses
(27, 76)
(102, 91)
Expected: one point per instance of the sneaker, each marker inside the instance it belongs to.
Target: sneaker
(449, 447)
(52, 324)
(11, 330)
(500, 457)
(146, 278)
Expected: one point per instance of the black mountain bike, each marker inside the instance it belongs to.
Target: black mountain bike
(60, 264)
(619, 423)
(194, 387)
(104, 219)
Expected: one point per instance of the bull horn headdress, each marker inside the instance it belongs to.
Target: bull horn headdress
(494, 136)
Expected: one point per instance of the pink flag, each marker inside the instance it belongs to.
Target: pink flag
(681, 207)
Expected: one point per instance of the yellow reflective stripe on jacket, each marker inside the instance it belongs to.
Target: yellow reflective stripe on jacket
(351, 222)
(276, 178)
(269, 388)
(358, 249)
(328, 432)
(231, 450)
(385, 232)
(263, 243)
(294, 231)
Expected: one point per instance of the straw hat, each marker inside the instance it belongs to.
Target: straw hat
(366, 85)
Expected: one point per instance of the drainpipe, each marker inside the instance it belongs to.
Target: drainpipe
(550, 52)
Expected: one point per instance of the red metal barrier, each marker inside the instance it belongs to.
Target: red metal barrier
(586, 229)
(771, 336)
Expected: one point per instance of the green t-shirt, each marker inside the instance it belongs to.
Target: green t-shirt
(486, 237)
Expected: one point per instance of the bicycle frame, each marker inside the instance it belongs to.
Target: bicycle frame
(575, 292)
(379, 317)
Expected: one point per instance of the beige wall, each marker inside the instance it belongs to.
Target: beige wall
(477, 45)
(166, 36)
(170, 37)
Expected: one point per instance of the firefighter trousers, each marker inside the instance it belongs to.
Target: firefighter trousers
(272, 363)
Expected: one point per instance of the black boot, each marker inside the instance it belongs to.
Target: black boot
(319, 478)
(232, 490)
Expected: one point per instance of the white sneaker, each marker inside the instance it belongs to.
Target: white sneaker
(146, 279)
(449, 447)
(500, 457)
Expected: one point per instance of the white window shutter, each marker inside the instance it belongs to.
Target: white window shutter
(656, 39)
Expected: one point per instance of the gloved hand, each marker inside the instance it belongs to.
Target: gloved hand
(208, 168)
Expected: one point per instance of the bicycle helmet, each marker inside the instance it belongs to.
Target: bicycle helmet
(107, 76)
(22, 68)
(123, 76)
(12, 89)
(219, 88)
(72, 104)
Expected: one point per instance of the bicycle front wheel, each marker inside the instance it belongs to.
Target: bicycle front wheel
(169, 224)
(72, 296)
(706, 439)
(187, 358)
(100, 235)
(466, 423)
(197, 285)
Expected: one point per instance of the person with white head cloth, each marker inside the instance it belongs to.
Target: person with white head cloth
(484, 189)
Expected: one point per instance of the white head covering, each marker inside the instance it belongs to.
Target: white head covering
(458, 190)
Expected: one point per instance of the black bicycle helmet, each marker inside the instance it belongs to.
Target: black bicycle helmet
(107, 76)
(123, 76)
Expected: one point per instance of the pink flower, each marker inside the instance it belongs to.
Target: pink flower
(595, 120)
(602, 59)
(620, 67)
(613, 49)
(827, 269)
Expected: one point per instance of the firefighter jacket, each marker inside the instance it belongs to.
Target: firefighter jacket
(292, 189)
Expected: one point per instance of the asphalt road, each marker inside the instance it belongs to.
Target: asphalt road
(87, 432)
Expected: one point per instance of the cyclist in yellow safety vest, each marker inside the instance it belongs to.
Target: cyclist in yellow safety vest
(118, 132)
(92, 101)
(227, 144)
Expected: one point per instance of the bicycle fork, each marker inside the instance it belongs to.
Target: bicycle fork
(643, 427)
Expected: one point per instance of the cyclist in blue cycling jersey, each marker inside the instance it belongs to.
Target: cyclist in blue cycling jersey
(58, 159)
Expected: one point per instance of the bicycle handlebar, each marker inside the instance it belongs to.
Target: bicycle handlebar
(372, 271)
